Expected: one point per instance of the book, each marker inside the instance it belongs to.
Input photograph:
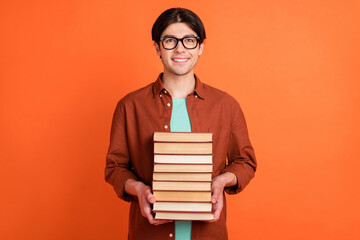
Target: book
(184, 216)
(182, 206)
(182, 137)
(174, 196)
(181, 186)
(182, 168)
(182, 176)
(182, 148)
(188, 159)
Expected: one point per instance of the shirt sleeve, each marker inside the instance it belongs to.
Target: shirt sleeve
(240, 154)
(118, 161)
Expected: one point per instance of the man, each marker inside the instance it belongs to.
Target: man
(177, 101)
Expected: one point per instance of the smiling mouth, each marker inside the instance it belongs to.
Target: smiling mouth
(180, 60)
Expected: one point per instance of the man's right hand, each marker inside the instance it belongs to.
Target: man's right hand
(145, 198)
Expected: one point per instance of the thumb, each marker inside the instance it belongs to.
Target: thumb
(215, 195)
(149, 196)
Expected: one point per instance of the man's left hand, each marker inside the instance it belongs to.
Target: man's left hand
(217, 198)
(218, 184)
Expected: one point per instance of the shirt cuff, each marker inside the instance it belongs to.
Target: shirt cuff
(243, 172)
(117, 179)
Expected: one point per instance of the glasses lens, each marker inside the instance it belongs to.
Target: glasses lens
(169, 43)
(190, 42)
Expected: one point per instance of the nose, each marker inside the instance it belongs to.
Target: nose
(179, 47)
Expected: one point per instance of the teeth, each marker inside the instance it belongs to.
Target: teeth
(180, 60)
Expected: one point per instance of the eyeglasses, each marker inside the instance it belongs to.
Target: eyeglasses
(170, 43)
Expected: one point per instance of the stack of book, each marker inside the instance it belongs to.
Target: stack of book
(182, 176)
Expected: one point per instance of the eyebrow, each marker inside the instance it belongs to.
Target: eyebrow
(172, 36)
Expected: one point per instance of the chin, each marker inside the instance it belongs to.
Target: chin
(182, 73)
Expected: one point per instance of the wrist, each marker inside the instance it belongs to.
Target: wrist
(227, 179)
(220, 180)
(133, 187)
(231, 179)
(139, 186)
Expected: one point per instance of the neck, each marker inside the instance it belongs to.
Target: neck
(179, 86)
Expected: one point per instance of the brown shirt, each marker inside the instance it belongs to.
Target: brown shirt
(145, 111)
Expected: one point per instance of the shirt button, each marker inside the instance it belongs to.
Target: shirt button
(165, 91)
(171, 235)
(160, 95)
(168, 104)
(196, 96)
(166, 127)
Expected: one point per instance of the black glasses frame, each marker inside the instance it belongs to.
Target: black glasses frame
(177, 41)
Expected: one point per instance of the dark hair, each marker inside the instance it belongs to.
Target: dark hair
(175, 15)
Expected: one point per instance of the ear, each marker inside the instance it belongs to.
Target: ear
(157, 49)
(201, 48)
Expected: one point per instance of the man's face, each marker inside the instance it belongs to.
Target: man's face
(179, 61)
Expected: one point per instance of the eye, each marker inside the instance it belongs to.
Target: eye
(190, 40)
(169, 40)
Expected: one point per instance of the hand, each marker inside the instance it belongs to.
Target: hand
(145, 198)
(217, 197)
(218, 184)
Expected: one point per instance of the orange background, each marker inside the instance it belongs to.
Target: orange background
(292, 65)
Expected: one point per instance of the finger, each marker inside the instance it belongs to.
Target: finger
(217, 214)
(215, 219)
(149, 196)
(217, 208)
(158, 221)
(146, 209)
(149, 217)
(215, 196)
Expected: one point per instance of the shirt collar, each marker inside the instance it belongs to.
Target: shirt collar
(199, 87)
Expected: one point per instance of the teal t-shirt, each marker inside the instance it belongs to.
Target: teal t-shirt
(180, 122)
